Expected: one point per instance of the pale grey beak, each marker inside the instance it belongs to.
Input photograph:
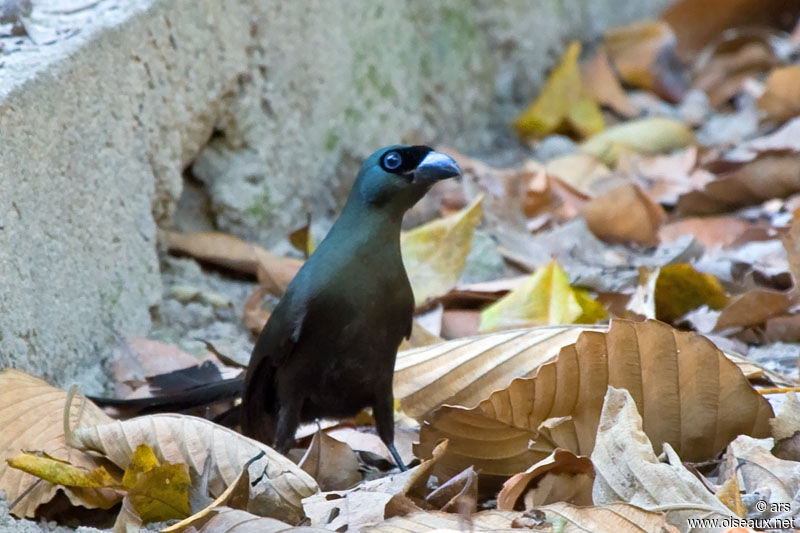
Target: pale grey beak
(434, 167)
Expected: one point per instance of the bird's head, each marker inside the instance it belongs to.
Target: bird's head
(398, 176)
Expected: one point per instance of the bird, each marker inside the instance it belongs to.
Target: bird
(329, 347)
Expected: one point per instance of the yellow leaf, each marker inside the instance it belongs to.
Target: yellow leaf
(63, 473)
(563, 102)
(545, 298)
(435, 253)
(647, 135)
(593, 310)
(730, 495)
(144, 460)
(680, 288)
(302, 240)
(157, 491)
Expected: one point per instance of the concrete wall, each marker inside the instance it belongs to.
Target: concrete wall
(97, 128)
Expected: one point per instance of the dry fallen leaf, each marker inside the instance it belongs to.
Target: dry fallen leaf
(367, 502)
(435, 253)
(682, 383)
(227, 251)
(561, 476)
(546, 298)
(32, 418)
(601, 81)
(641, 479)
(466, 371)
(664, 176)
(752, 308)
(730, 495)
(137, 358)
(699, 22)
(644, 56)
(59, 472)
(787, 422)
(760, 471)
(770, 175)
(781, 98)
(786, 429)
(579, 170)
(175, 438)
(331, 462)
(680, 288)
(624, 215)
(564, 103)
(725, 231)
(457, 492)
(733, 62)
(646, 135)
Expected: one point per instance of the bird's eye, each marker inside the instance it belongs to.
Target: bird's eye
(392, 161)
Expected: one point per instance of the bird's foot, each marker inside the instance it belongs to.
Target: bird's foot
(400, 464)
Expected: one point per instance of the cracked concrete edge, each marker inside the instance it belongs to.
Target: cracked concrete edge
(92, 149)
(95, 132)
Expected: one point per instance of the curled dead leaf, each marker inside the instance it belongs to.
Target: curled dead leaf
(625, 214)
(564, 103)
(465, 371)
(752, 308)
(647, 135)
(331, 462)
(644, 55)
(602, 83)
(682, 383)
(561, 476)
(641, 479)
(32, 418)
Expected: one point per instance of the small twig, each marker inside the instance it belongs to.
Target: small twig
(778, 390)
(24, 493)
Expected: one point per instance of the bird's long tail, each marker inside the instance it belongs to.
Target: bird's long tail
(198, 396)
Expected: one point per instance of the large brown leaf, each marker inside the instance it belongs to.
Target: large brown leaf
(466, 371)
(689, 394)
(32, 418)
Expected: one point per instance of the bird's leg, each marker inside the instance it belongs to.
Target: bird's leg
(288, 420)
(383, 411)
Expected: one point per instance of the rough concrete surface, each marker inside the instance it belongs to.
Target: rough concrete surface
(110, 101)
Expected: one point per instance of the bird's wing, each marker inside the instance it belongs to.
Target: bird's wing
(275, 344)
